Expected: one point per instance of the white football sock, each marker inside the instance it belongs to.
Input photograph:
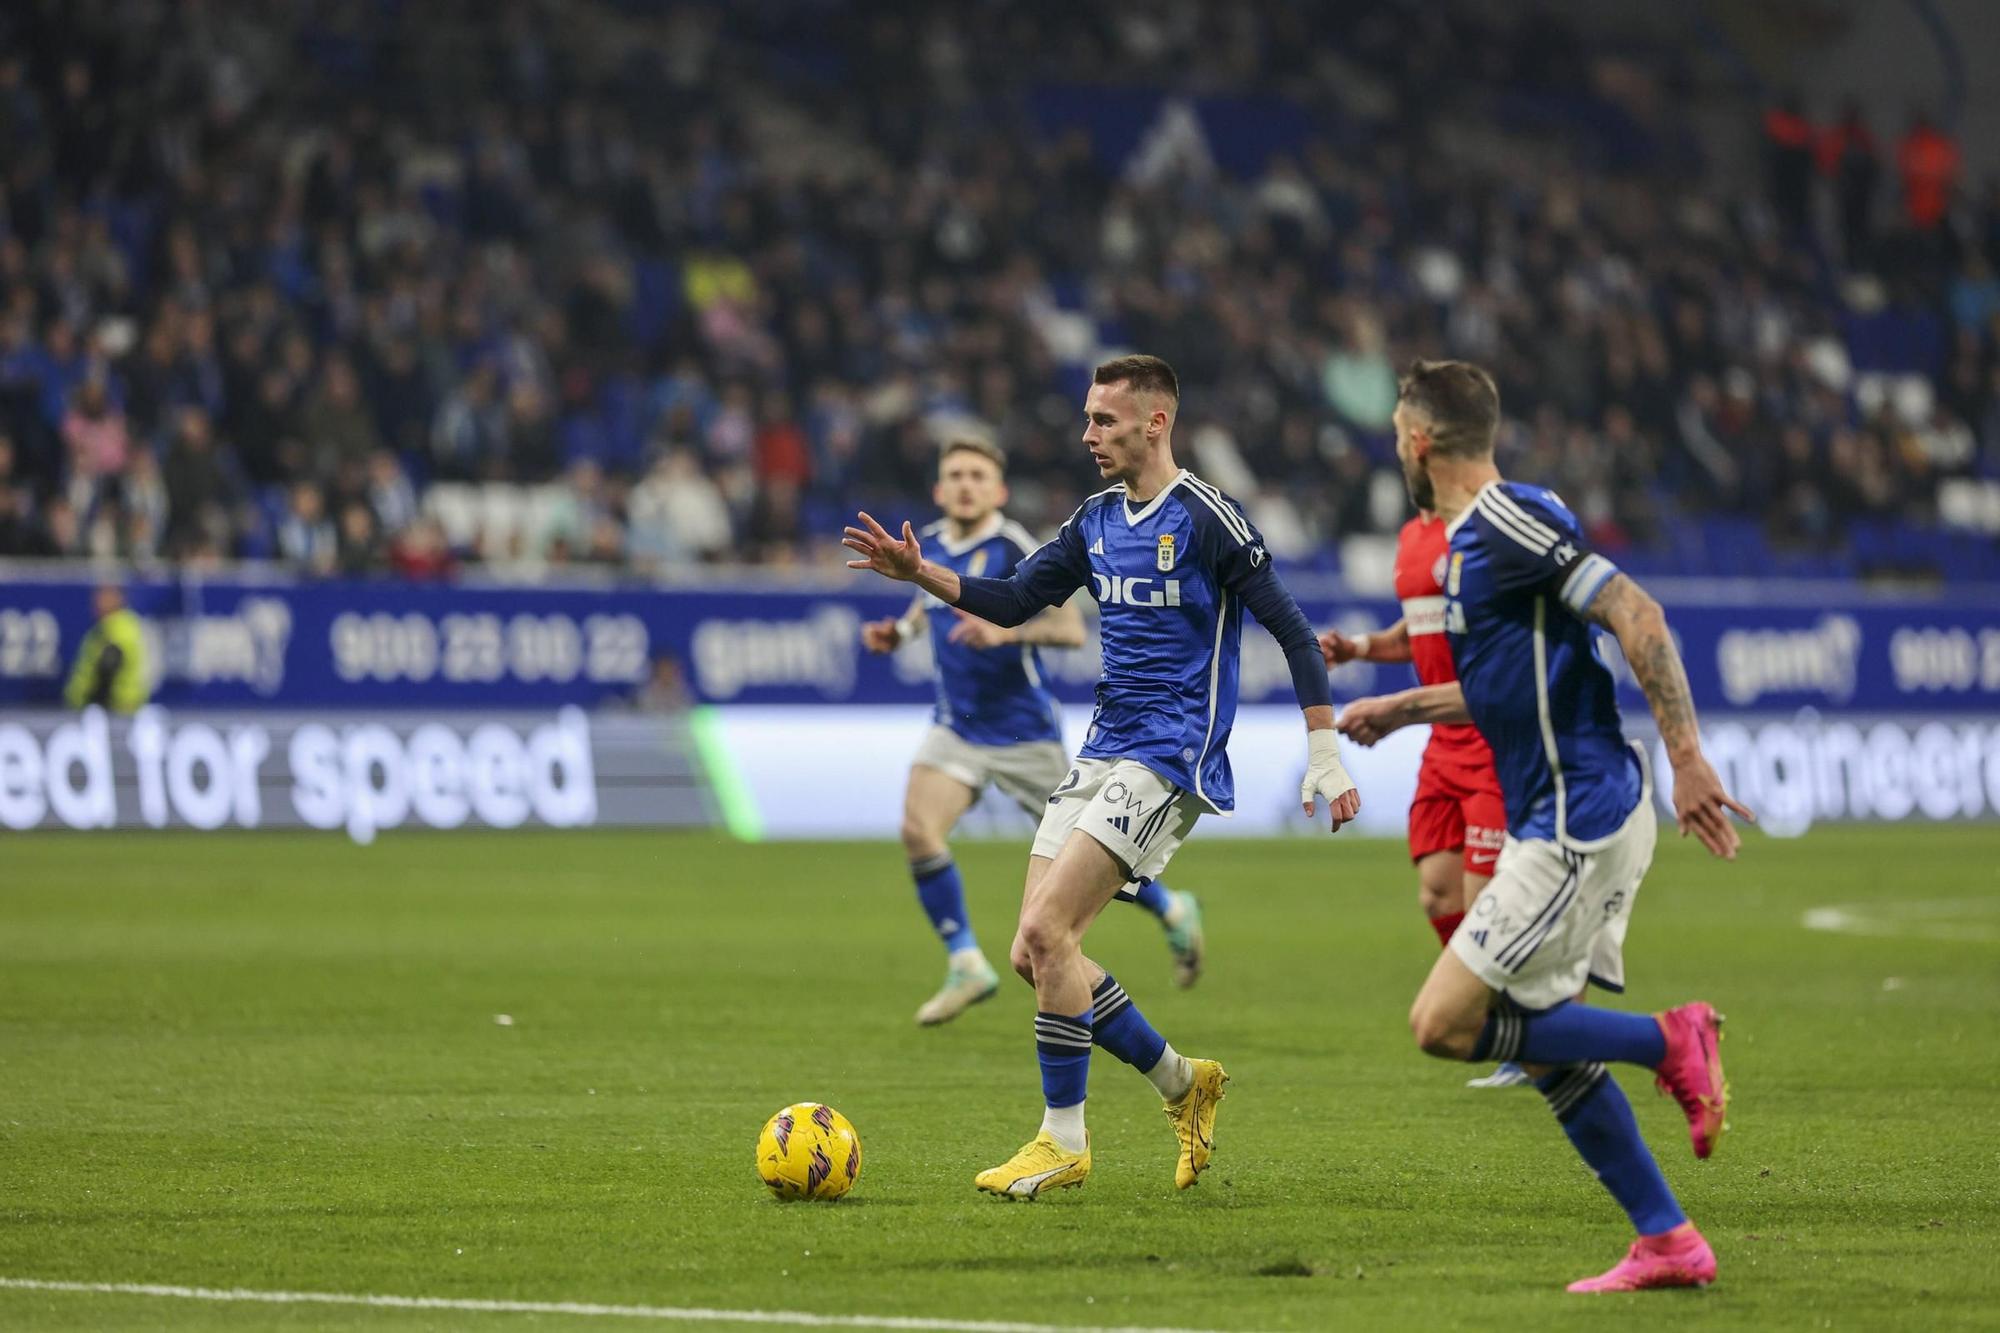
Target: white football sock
(1176, 909)
(968, 960)
(1173, 1075)
(1064, 1124)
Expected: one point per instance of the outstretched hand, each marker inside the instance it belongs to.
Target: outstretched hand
(1366, 721)
(881, 636)
(1337, 648)
(1702, 807)
(883, 553)
(978, 634)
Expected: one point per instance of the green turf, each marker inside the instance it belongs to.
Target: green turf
(272, 1062)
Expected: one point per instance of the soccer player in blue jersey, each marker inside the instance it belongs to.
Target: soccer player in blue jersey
(1524, 595)
(995, 723)
(1172, 562)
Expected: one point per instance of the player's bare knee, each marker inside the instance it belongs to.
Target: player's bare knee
(1440, 1034)
(1023, 962)
(1438, 887)
(919, 841)
(1044, 936)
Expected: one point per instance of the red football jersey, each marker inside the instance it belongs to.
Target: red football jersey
(1422, 550)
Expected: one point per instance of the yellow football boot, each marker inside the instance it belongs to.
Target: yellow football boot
(1043, 1164)
(1193, 1117)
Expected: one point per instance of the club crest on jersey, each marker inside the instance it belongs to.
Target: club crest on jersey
(1451, 579)
(976, 567)
(1166, 554)
(1437, 571)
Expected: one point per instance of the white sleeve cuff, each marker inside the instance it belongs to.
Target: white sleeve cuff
(1584, 582)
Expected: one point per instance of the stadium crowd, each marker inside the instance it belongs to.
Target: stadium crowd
(359, 285)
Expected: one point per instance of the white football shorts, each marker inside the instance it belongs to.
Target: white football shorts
(1553, 918)
(1138, 816)
(1024, 773)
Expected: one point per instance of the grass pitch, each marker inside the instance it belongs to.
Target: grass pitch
(277, 1063)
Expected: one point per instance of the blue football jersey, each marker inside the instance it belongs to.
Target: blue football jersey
(1516, 587)
(1171, 579)
(992, 696)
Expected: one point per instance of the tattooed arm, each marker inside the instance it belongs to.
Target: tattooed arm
(1640, 626)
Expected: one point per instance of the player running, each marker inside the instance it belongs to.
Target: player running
(995, 724)
(1522, 592)
(1172, 563)
(1457, 819)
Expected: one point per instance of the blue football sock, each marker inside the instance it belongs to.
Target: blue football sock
(1598, 1120)
(1119, 1027)
(1570, 1033)
(942, 894)
(1155, 897)
(1062, 1044)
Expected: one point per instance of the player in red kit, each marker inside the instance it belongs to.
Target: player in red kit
(1458, 819)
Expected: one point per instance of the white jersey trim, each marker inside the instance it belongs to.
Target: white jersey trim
(1020, 536)
(1554, 755)
(1645, 799)
(1133, 520)
(1499, 501)
(1585, 581)
(1547, 719)
(1216, 500)
(1511, 527)
(1451, 528)
(1214, 687)
(988, 529)
(1077, 513)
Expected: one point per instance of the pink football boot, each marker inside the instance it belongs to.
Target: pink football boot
(1692, 1071)
(1677, 1258)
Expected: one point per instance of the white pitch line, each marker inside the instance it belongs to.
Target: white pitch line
(664, 1313)
(1958, 920)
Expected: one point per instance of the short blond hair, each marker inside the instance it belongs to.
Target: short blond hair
(972, 444)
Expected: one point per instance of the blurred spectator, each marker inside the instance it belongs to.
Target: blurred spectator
(305, 536)
(532, 452)
(766, 308)
(198, 488)
(111, 669)
(665, 689)
(471, 428)
(1848, 155)
(774, 530)
(337, 426)
(781, 449)
(142, 494)
(20, 533)
(95, 441)
(421, 552)
(390, 494)
(1360, 382)
(1927, 160)
(679, 516)
(1788, 139)
(61, 529)
(360, 545)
